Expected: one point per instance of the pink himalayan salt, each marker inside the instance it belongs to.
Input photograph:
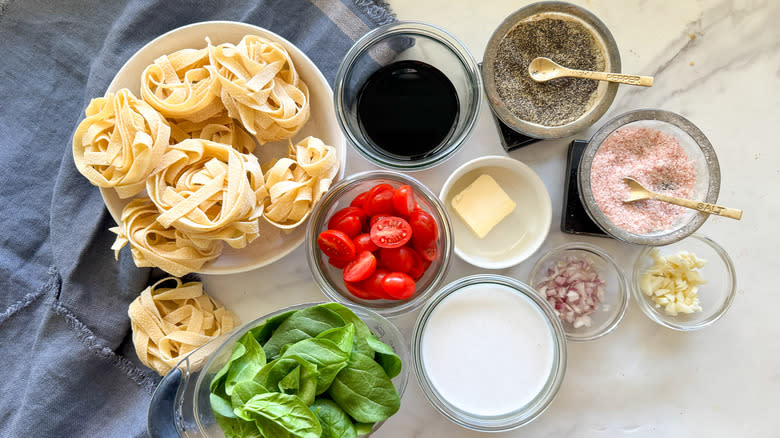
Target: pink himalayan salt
(655, 159)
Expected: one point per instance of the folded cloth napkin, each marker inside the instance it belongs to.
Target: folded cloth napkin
(68, 365)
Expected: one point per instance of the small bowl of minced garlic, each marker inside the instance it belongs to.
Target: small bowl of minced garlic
(685, 286)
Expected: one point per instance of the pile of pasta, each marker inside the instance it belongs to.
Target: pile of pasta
(171, 322)
(184, 152)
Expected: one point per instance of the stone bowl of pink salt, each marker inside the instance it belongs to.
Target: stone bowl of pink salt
(664, 152)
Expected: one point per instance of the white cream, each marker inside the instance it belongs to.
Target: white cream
(487, 349)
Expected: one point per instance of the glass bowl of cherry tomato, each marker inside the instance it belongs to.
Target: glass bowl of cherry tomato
(379, 239)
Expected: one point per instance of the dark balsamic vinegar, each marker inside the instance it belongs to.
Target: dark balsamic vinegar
(407, 109)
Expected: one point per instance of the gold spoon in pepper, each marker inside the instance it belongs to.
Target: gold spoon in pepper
(544, 69)
(639, 192)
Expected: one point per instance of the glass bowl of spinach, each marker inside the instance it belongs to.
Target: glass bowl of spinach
(309, 370)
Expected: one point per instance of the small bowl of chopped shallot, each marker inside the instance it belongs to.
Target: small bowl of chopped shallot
(585, 287)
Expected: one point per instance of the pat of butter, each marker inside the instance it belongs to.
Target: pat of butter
(482, 205)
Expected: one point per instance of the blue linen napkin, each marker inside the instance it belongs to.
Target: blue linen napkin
(68, 364)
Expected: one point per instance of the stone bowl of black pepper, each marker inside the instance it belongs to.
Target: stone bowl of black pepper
(570, 36)
(407, 95)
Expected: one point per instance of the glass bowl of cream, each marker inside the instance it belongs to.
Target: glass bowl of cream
(489, 353)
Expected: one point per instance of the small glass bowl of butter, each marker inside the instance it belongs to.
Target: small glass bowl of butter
(685, 286)
(500, 211)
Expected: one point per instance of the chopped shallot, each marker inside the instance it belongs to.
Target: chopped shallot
(574, 290)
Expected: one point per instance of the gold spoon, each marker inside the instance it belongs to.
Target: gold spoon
(544, 69)
(638, 192)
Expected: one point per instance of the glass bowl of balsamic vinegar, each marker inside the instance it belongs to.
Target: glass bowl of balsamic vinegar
(407, 95)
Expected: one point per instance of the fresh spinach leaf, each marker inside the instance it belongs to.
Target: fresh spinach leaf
(343, 337)
(334, 421)
(303, 324)
(323, 353)
(238, 428)
(364, 391)
(220, 406)
(275, 371)
(385, 356)
(219, 378)
(361, 329)
(263, 331)
(364, 428)
(288, 414)
(247, 365)
(243, 391)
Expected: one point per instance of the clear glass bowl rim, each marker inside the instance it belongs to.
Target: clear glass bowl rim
(334, 194)
(470, 67)
(647, 308)
(512, 420)
(623, 293)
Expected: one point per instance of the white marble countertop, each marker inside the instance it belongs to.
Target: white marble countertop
(716, 62)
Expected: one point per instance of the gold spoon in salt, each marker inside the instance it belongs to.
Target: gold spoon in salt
(639, 192)
(544, 69)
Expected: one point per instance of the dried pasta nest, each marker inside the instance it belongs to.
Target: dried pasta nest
(153, 245)
(261, 88)
(182, 86)
(210, 190)
(119, 142)
(171, 322)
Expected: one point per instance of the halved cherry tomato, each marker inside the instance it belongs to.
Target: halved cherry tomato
(418, 266)
(344, 212)
(357, 290)
(338, 263)
(380, 203)
(373, 284)
(398, 259)
(391, 232)
(398, 285)
(359, 200)
(428, 253)
(361, 268)
(378, 188)
(363, 243)
(335, 243)
(424, 228)
(375, 218)
(403, 200)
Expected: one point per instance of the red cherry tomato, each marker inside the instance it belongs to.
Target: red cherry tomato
(336, 244)
(338, 263)
(378, 188)
(403, 200)
(361, 268)
(428, 253)
(359, 200)
(398, 285)
(357, 290)
(424, 228)
(344, 212)
(374, 219)
(363, 243)
(373, 284)
(350, 225)
(381, 203)
(391, 232)
(418, 266)
(398, 259)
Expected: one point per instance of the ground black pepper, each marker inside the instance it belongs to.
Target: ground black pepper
(559, 101)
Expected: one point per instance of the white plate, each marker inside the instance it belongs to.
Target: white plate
(520, 234)
(273, 243)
